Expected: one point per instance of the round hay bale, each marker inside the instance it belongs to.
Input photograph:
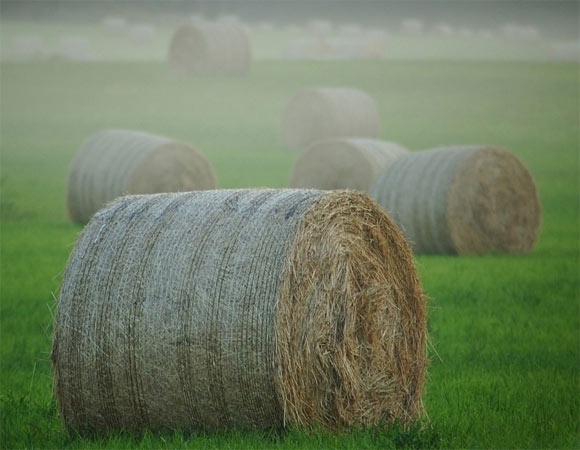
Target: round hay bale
(142, 34)
(347, 163)
(462, 200)
(114, 26)
(326, 112)
(221, 48)
(27, 48)
(116, 162)
(239, 308)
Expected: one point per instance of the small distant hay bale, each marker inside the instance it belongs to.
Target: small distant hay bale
(210, 49)
(350, 30)
(142, 34)
(358, 48)
(27, 48)
(513, 32)
(329, 112)
(241, 308)
(445, 29)
(117, 162)
(308, 49)
(412, 26)
(114, 26)
(73, 48)
(565, 51)
(347, 163)
(462, 200)
(319, 28)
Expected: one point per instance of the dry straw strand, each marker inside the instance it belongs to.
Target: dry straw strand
(115, 162)
(206, 48)
(343, 163)
(242, 308)
(473, 199)
(329, 112)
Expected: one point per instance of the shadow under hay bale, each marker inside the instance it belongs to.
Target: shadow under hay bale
(348, 163)
(116, 162)
(314, 114)
(241, 308)
(221, 48)
(462, 200)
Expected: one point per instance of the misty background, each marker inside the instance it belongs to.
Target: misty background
(280, 29)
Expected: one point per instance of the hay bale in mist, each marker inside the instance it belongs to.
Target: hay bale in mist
(566, 51)
(114, 26)
(444, 29)
(462, 200)
(27, 48)
(73, 48)
(327, 112)
(142, 33)
(513, 32)
(308, 49)
(319, 28)
(246, 308)
(210, 49)
(116, 162)
(412, 26)
(343, 163)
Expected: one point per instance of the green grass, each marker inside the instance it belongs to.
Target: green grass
(504, 328)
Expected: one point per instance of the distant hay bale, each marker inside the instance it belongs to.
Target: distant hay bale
(412, 26)
(513, 32)
(347, 163)
(350, 30)
(73, 48)
(328, 112)
(320, 28)
(308, 49)
(116, 162)
(565, 51)
(357, 48)
(239, 308)
(142, 33)
(114, 26)
(27, 48)
(444, 29)
(210, 49)
(462, 200)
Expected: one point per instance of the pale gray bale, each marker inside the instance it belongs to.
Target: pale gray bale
(239, 308)
(343, 163)
(116, 162)
(329, 112)
(208, 48)
(473, 199)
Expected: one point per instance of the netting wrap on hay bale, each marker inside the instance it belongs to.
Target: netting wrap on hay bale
(347, 163)
(239, 308)
(206, 48)
(462, 200)
(116, 162)
(322, 113)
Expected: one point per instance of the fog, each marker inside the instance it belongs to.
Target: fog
(456, 30)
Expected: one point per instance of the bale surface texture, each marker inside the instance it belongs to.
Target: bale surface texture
(116, 162)
(242, 308)
(462, 200)
(346, 163)
(326, 112)
(207, 48)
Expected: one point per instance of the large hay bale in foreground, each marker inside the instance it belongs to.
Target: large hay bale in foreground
(207, 48)
(240, 308)
(322, 113)
(347, 163)
(116, 162)
(462, 200)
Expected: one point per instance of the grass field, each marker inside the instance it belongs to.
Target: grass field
(504, 329)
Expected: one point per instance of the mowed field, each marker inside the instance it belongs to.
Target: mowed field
(504, 329)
